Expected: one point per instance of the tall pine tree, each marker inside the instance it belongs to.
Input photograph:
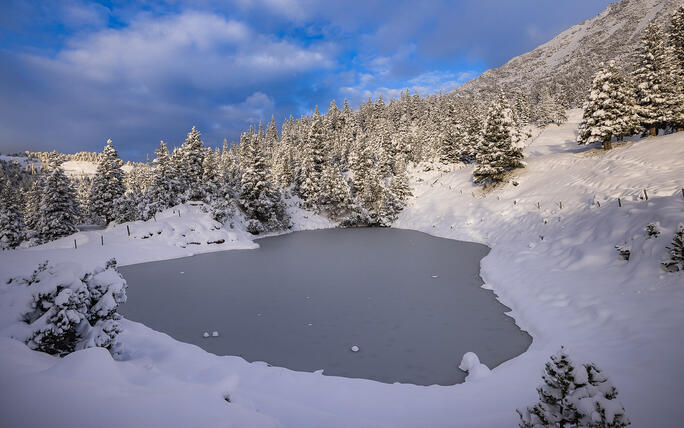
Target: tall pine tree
(108, 184)
(12, 230)
(58, 210)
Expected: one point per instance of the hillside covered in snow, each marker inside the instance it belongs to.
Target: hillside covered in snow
(568, 61)
(553, 262)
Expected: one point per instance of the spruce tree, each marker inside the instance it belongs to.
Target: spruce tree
(652, 76)
(32, 210)
(675, 261)
(165, 187)
(12, 229)
(676, 49)
(191, 154)
(108, 184)
(556, 406)
(334, 196)
(261, 203)
(607, 411)
(608, 111)
(496, 154)
(58, 215)
(313, 159)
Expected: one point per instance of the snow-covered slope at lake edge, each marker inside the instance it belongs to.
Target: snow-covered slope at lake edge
(570, 288)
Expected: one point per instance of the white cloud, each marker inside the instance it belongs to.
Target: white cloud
(253, 109)
(195, 49)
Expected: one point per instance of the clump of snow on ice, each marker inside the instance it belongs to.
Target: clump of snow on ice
(355, 348)
(214, 333)
(206, 334)
(476, 370)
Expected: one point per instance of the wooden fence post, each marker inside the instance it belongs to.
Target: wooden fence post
(598, 203)
(128, 229)
(75, 246)
(619, 203)
(102, 240)
(560, 204)
(645, 194)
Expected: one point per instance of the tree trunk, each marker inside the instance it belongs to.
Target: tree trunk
(607, 145)
(653, 131)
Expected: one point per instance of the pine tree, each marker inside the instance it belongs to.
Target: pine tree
(654, 91)
(676, 250)
(32, 210)
(11, 218)
(108, 184)
(607, 411)
(334, 196)
(83, 187)
(313, 159)
(496, 154)
(676, 49)
(191, 154)
(58, 216)
(608, 112)
(556, 406)
(261, 203)
(165, 187)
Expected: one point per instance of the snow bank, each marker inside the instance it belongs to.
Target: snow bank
(471, 364)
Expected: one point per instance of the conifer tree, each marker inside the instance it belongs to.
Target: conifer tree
(312, 162)
(608, 111)
(676, 252)
(334, 196)
(261, 203)
(12, 229)
(165, 187)
(108, 184)
(32, 210)
(58, 216)
(191, 154)
(676, 49)
(496, 154)
(652, 75)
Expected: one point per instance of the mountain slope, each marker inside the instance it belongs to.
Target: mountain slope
(568, 61)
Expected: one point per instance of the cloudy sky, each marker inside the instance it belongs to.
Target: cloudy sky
(74, 73)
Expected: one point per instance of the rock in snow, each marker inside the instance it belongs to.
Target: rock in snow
(471, 364)
(355, 348)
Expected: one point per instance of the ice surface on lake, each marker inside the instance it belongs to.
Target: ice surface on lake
(302, 300)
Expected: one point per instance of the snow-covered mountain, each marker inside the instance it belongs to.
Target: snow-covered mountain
(570, 59)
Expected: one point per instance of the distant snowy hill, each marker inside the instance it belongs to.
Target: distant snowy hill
(570, 59)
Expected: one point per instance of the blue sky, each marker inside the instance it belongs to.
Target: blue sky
(74, 73)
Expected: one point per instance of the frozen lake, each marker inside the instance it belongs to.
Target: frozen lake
(412, 303)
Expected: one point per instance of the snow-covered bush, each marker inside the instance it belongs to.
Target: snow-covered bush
(624, 251)
(69, 309)
(652, 230)
(676, 249)
(574, 396)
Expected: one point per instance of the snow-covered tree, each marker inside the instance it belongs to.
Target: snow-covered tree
(165, 187)
(496, 155)
(259, 200)
(32, 210)
(58, 208)
(653, 79)
(191, 154)
(676, 49)
(108, 184)
(675, 261)
(574, 396)
(12, 229)
(72, 310)
(312, 162)
(557, 406)
(333, 197)
(608, 111)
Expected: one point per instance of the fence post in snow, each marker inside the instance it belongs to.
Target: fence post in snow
(75, 246)
(538, 206)
(560, 204)
(598, 203)
(645, 194)
(102, 240)
(619, 203)
(128, 229)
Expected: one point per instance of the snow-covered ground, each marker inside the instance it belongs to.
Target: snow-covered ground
(569, 288)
